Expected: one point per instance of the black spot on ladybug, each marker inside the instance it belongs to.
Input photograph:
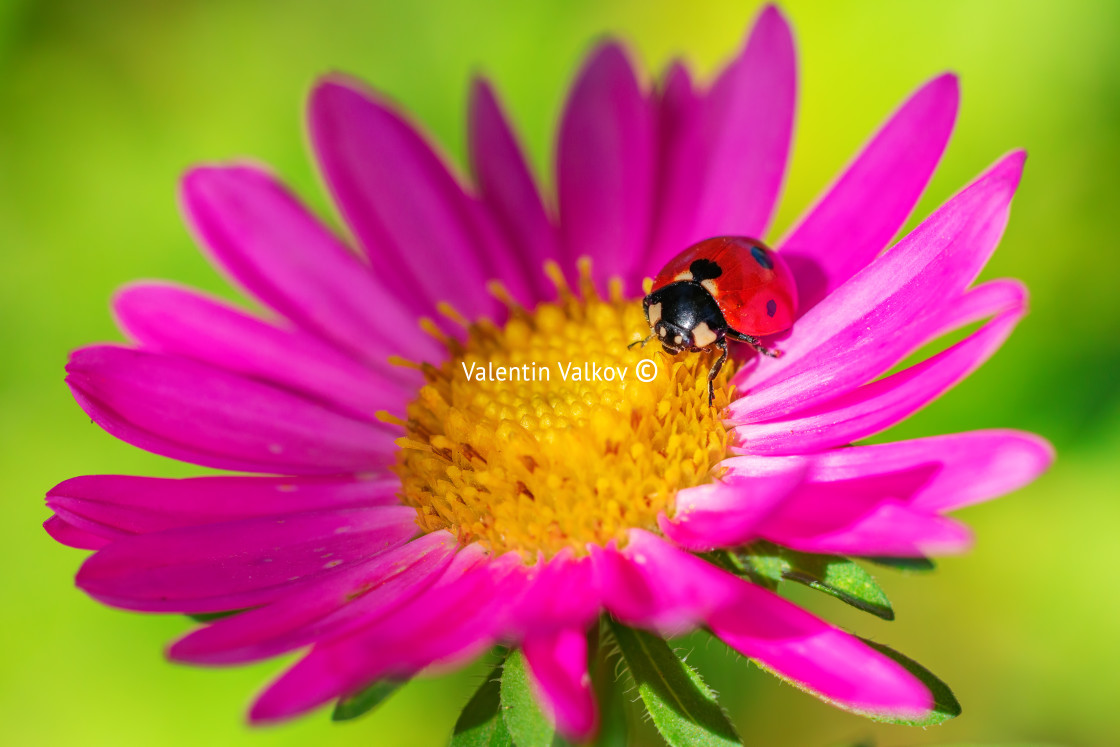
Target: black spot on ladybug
(760, 257)
(704, 269)
(771, 307)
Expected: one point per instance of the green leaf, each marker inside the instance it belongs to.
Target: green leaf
(945, 705)
(840, 578)
(481, 723)
(613, 725)
(910, 565)
(527, 725)
(365, 701)
(205, 617)
(760, 562)
(767, 564)
(682, 707)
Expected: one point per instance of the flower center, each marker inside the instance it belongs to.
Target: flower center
(539, 435)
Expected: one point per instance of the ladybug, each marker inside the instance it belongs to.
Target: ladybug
(725, 287)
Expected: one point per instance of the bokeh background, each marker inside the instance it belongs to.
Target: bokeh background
(102, 106)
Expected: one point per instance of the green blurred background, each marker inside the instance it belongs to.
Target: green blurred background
(103, 104)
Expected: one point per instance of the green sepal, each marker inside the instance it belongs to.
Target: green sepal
(614, 729)
(205, 617)
(907, 565)
(481, 723)
(767, 564)
(838, 577)
(945, 704)
(527, 725)
(684, 709)
(364, 701)
(759, 561)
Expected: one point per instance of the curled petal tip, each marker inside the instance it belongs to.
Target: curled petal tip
(945, 89)
(1010, 166)
(335, 80)
(206, 176)
(771, 22)
(1047, 451)
(336, 89)
(948, 80)
(481, 87)
(1033, 455)
(195, 180)
(771, 13)
(676, 67)
(607, 52)
(261, 716)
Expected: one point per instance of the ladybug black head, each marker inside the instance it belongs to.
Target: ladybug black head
(684, 316)
(673, 338)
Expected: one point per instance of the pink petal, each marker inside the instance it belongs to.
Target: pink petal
(822, 505)
(113, 506)
(680, 173)
(962, 468)
(605, 167)
(748, 128)
(69, 535)
(865, 326)
(558, 667)
(562, 594)
(881, 404)
(827, 662)
(883, 499)
(890, 529)
(992, 299)
(982, 302)
(507, 187)
(350, 597)
(653, 585)
(196, 413)
(728, 513)
(238, 564)
(269, 243)
(859, 214)
(461, 615)
(411, 216)
(178, 321)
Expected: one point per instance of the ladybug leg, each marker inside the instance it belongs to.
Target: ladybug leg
(754, 343)
(640, 342)
(722, 345)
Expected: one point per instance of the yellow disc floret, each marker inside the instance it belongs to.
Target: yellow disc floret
(542, 435)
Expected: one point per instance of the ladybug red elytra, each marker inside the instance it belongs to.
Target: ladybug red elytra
(725, 287)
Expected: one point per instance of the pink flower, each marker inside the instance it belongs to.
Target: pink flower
(324, 550)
